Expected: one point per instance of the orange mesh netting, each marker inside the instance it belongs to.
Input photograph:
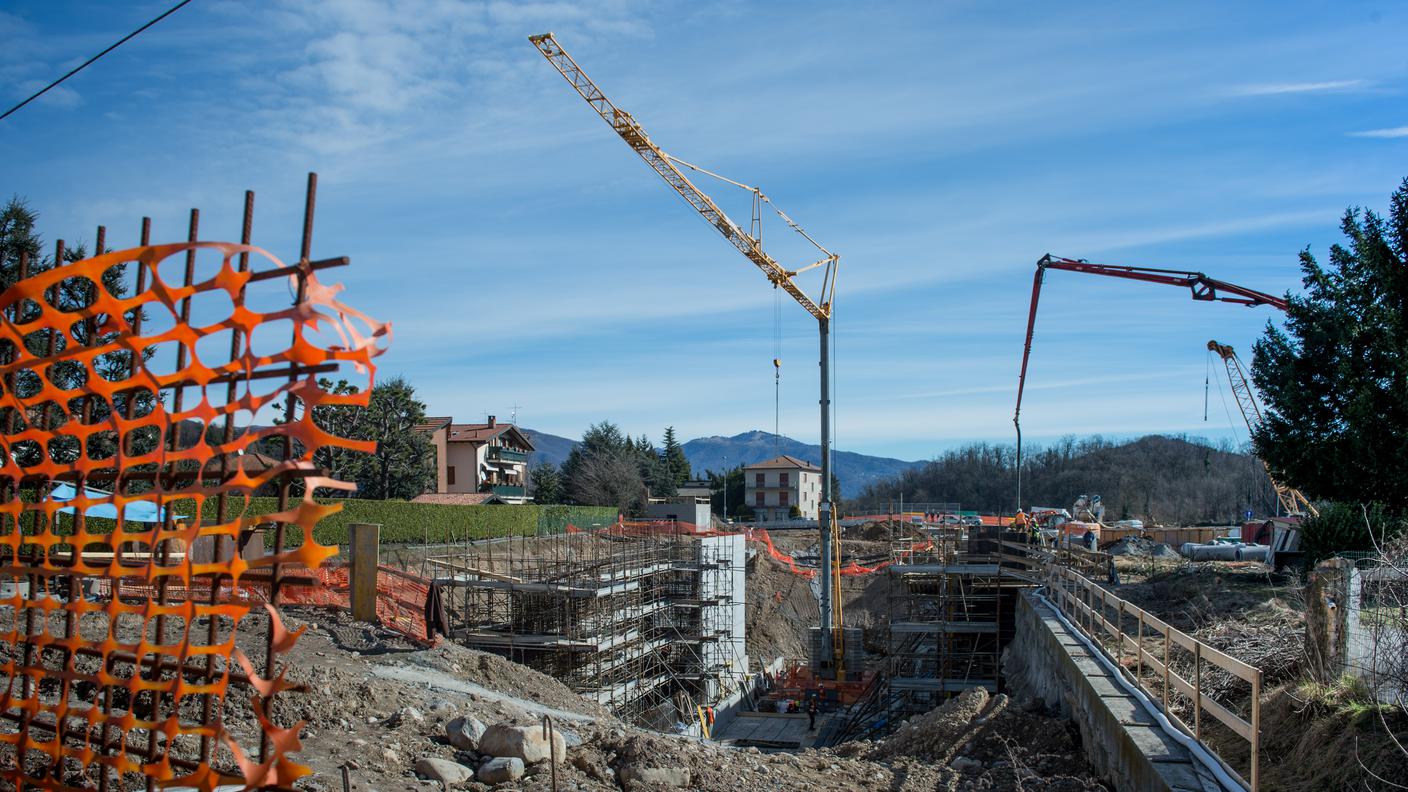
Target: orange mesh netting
(400, 597)
(758, 535)
(117, 637)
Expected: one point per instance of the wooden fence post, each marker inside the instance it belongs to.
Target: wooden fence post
(364, 539)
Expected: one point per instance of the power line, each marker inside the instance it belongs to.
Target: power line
(90, 61)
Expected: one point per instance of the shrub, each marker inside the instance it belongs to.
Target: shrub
(1342, 527)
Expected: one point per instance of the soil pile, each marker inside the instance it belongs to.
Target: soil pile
(976, 741)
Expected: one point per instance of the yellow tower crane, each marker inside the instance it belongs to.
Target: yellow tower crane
(1290, 498)
(830, 662)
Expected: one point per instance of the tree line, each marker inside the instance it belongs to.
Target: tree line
(610, 468)
(1171, 480)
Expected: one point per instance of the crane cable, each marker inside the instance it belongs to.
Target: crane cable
(777, 370)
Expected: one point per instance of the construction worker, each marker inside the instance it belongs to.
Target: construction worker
(1019, 521)
(811, 713)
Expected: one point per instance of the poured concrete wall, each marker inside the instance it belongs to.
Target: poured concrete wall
(1122, 741)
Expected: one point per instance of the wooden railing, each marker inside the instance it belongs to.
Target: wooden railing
(1146, 649)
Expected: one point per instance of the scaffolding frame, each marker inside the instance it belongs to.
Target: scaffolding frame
(633, 619)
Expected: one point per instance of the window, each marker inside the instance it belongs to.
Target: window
(782, 497)
(781, 479)
(758, 498)
(450, 474)
(758, 480)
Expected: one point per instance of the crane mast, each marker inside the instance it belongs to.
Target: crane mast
(750, 245)
(1290, 498)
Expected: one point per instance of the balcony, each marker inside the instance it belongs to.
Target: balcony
(501, 454)
(507, 491)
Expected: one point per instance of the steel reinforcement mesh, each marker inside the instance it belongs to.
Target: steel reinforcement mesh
(124, 484)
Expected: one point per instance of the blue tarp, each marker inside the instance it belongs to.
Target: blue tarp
(134, 511)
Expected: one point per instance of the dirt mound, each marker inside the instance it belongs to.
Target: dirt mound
(976, 741)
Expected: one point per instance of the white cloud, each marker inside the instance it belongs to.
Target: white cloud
(1391, 132)
(1276, 89)
(58, 96)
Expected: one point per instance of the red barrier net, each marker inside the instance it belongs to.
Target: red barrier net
(751, 534)
(400, 597)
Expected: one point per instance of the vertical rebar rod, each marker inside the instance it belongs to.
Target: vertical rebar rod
(290, 405)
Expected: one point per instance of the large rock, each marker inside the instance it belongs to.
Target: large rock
(465, 733)
(524, 742)
(501, 770)
(443, 770)
(636, 773)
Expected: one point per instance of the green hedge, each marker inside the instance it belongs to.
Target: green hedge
(406, 522)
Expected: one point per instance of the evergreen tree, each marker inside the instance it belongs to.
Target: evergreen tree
(672, 455)
(605, 470)
(545, 482)
(1335, 383)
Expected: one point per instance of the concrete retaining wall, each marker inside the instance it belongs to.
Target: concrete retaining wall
(1121, 740)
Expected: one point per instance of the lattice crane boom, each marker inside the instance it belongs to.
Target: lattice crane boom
(1291, 499)
(630, 130)
(750, 245)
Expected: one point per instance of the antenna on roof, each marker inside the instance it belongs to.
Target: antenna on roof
(513, 416)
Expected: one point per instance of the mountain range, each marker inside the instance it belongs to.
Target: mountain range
(853, 470)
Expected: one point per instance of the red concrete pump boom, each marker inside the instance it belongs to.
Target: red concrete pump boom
(1203, 288)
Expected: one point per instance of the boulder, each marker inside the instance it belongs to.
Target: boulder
(639, 774)
(443, 770)
(524, 742)
(465, 733)
(964, 763)
(501, 770)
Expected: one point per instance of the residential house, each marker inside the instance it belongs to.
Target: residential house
(774, 487)
(478, 462)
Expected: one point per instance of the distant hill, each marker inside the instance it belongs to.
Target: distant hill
(547, 447)
(1173, 480)
(855, 471)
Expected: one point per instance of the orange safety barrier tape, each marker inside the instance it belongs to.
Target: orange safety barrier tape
(115, 719)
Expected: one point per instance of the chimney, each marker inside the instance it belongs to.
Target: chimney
(492, 422)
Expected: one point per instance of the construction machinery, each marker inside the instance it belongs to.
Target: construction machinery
(829, 660)
(1203, 288)
(1291, 500)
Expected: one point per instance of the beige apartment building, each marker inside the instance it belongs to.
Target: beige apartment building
(478, 463)
(774, 487)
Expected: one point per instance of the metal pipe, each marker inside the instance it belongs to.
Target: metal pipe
(824, 513)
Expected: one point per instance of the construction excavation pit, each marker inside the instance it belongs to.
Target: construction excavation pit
(655, 656)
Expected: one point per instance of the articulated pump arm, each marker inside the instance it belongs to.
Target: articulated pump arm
(1203, 288)
(663, 164)
(1290, 498)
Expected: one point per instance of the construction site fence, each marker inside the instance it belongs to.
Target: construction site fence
(400, 596)
(1169, 665)
(760, 536)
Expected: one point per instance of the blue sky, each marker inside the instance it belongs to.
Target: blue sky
(526, 257)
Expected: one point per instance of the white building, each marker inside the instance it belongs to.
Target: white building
(773, 488)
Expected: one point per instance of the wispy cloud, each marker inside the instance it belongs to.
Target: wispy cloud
(1391, 132)
(1275, 89)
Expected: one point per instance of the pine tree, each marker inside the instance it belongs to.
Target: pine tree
(1335, 382)
(676, 463)
(546, 483)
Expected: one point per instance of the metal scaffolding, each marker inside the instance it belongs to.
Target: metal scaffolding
(642, 621)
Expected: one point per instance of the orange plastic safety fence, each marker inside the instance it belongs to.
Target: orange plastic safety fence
(400, 597)
(759, 535)
(116, 661)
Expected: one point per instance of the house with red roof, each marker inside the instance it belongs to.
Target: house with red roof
(477, 463)
(775, 487)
